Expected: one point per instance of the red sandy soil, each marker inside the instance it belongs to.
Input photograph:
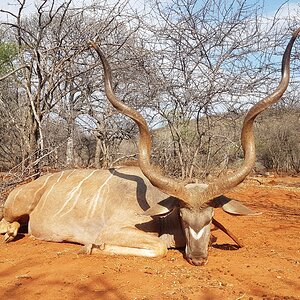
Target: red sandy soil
(268, 267)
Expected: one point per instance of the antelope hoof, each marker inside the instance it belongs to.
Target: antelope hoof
(10, 230)
(86, 249)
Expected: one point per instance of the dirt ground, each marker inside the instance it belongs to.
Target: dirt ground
(268, 267)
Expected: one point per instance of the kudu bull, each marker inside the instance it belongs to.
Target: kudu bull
(133, 210)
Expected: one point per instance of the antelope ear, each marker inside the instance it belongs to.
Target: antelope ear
(233, 207)
(237, 208)
(163, 207)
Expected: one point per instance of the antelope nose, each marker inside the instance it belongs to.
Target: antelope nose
(198, 261)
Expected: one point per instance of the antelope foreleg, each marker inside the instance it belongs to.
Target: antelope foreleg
(130, 241)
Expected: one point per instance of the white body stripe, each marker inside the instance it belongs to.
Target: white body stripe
(45, 199)
(95, 199)
(14, 200)
(32, 206)
(71, 196)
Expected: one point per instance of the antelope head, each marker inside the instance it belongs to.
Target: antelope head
(197, 201)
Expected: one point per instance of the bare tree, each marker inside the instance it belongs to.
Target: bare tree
(52, 42)
(192, 73)
(211, 60)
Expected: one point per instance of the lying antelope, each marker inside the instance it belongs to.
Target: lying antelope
(133, 210)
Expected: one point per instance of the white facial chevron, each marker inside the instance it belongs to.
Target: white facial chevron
(197, 235)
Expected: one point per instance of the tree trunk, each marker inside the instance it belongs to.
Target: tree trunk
(70, 151)
(98, 153)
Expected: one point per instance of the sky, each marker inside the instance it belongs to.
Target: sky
(271, 6)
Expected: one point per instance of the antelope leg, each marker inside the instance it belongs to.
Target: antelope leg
(131, 241)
